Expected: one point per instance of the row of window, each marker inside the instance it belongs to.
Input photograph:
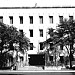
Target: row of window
(31, 19)
(61, 59)
(41, 46)
(31, 44)
(40, 31)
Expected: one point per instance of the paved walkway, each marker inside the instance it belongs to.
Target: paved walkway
(36, 68)
(31, 68)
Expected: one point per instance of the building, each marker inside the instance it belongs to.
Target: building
(35, 21)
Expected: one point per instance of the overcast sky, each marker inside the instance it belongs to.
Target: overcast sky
(4, 3)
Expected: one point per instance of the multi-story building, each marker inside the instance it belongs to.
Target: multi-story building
(35, 21)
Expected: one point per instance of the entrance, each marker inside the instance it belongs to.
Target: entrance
(37, 59)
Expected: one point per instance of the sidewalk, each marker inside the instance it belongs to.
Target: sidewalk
(30, 68)
(33, 68)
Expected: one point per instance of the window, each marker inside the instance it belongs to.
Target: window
(51, 19)
(41, 32)
(21, 32)
(41, 19)
(51, 58)
(61, 59)
(41, 46)
(21, 19)
(60, 19)
(61, 47)
(71, 17)
(31, 46)
(51, 46)
(11, 19)
(31, 19)
(31, 33)
(1, 18)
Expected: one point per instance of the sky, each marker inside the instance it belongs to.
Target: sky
(31, 3)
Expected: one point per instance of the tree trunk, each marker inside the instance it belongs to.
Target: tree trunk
(71, 47)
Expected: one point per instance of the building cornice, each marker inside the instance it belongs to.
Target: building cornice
(37, 7)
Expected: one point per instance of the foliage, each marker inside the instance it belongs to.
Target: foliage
(8, 36)
(63, 35)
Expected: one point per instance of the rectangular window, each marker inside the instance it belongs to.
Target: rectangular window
(51, 19)
(1, 19)
(51, 46)
(31, 19)
(21, 19)
(11, 19)
(31, 33)
(61, 47)
(61, 59)
(21, 32)
(51, 58)
(41, 19)
(71, 17)
(41, 46)
(60, 19)
(31, 46)
(41, 32)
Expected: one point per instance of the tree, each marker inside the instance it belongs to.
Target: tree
(68, 29)
(64, 35)
(8, 36)
(50, 42)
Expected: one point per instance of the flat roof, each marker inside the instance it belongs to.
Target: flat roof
(39, 3)
(37, 7)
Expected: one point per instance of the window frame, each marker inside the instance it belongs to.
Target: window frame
(21, 32)
(51, 19)
(21, 19)
(70, 17)
(31, 32)
(60, 19)
(41, 46)
(1, 17)
(41, 32)
(31, 19)
(11, 19)
(31, 46)
(41, 19)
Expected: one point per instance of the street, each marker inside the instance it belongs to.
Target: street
(37, 73)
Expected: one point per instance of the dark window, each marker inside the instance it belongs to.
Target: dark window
(11, 19)
(11, 47)
(41, 19)
(51, 19)
(51, 58)
(1, 19)
(61, 47)
(21, 19)
(41, 32)
(31, 19)
(61, 59)
(21, 32)
(60, 19)
(41, 46)
(31, 33)
(21, 58)
(71, 17)
(31, 46)
(51, 46)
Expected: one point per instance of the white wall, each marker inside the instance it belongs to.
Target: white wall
(36, 12)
